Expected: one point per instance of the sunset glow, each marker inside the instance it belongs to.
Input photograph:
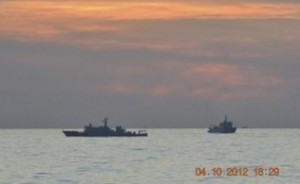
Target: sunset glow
(49, 20)
(149, 54)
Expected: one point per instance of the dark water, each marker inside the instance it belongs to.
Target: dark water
(166, 156)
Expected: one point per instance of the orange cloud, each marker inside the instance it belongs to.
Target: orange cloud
(228, 74)
(48, 20)
(226, 82)
(58, 21)
(214, 81)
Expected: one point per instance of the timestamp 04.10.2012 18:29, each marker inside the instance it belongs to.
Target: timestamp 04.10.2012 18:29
(237, 171)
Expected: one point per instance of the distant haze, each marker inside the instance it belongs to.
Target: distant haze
(149, 64)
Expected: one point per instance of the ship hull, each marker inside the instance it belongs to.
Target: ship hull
(226, 131)
(84, 134)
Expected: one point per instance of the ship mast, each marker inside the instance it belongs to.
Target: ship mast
(105, 120)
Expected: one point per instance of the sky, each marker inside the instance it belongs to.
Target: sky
(149, 64)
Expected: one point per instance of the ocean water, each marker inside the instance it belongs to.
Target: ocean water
(166, 156)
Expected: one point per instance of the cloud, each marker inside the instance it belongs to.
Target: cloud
(57, 21)
(221, 81)
(76, 84)
(160, 91)
(187, 80)
(75, 55)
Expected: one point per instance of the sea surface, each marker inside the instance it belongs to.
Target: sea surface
(166, 156)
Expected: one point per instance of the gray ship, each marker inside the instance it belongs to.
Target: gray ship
(223, 127)
(104, 131)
